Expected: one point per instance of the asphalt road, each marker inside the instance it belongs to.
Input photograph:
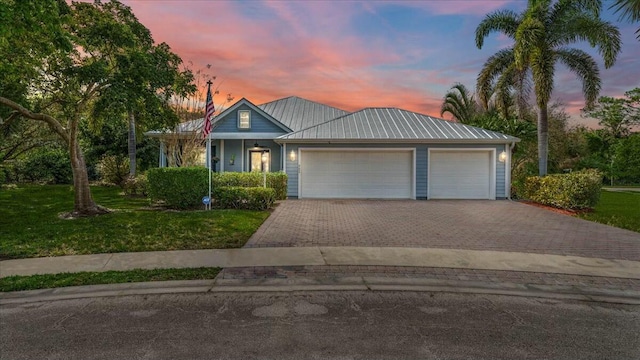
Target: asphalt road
(319, 325)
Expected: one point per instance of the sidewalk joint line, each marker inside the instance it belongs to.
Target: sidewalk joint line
(108, 261)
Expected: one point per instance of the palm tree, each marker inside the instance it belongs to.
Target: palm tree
(459, 102)
(630, 11)
(541, 35)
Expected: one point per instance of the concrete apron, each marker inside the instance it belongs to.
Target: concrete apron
(318, 256)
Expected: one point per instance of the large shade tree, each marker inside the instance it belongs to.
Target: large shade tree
(68, 59)
(541, 35)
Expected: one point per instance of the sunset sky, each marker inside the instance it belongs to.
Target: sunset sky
(351, 55)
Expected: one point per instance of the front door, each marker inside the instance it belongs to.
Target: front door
(259, 160)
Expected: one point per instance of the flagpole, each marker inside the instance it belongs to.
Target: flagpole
(210, 157)
(206, 130)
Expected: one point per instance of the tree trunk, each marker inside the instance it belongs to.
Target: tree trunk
(83, 201)
(132, 144)
(543, 139)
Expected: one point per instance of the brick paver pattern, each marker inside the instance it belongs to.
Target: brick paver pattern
(448, 224)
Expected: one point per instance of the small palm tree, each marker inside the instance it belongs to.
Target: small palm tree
(629, 10)
(541, 35)
(459, 102)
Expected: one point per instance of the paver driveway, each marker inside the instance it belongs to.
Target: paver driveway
(453, 224)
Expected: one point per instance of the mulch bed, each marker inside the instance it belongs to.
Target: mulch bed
(555, 209)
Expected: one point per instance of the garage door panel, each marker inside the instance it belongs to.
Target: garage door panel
(460, 175)
(356, 174)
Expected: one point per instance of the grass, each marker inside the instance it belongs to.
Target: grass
(34, 282)
(619, 209)
(30, 225)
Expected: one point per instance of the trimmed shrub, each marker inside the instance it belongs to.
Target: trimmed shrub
(114, 169)
(178, 187)
(249, 198)
(276, 180)
(50, 166)
(576, 190)
(137, 186)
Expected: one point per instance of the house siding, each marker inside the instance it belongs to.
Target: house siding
(231, 148)
(421, 178)
(259, 124)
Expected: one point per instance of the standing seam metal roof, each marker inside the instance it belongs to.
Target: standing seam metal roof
(393, 124)
(298, 113)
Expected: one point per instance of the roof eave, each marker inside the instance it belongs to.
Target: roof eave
(400, 141)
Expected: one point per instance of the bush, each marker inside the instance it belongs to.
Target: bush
(179, 187)
(114, 169)
(249, 198)
(276, 180)
(577, 190)
(137, 186)
(50, 166)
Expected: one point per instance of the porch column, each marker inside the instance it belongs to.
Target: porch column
(162, 160)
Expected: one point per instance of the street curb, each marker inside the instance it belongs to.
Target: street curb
(590, 294)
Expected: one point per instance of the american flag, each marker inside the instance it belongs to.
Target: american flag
(208, 113)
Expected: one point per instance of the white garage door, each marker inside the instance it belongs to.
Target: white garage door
(356, 174)
(460, 175)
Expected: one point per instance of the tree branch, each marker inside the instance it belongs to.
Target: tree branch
(51, 121)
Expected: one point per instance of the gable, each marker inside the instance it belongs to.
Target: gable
(257, 121)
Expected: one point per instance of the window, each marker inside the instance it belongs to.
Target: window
(244, 119)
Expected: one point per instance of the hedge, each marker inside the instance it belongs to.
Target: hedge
(238, 197)
(184, 187)
(178, 187)
(576, 190)
(275, 180)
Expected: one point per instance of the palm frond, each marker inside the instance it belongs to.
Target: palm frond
(459, 102)
(629, 11)
(505, 21)
(583, 65)
(582, 27)
(491, 70)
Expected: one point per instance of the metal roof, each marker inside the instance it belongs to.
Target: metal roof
(394, 124)
(298, 113)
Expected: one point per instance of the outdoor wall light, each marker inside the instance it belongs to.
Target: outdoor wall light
(292, 155)
(502, 157)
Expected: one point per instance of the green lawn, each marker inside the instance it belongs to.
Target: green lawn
(33, 282)
(30, 225)
(620, 209)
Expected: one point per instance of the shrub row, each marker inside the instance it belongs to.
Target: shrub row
(184, 188)
(276, 181)
(577, 190)
(249, 198)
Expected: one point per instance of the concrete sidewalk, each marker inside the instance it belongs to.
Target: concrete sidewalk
(328, 256)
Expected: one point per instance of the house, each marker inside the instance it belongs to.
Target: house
(380, 153)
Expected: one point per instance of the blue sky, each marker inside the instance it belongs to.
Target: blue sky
(352, 55)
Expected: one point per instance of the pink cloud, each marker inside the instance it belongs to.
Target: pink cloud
(268, 50)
